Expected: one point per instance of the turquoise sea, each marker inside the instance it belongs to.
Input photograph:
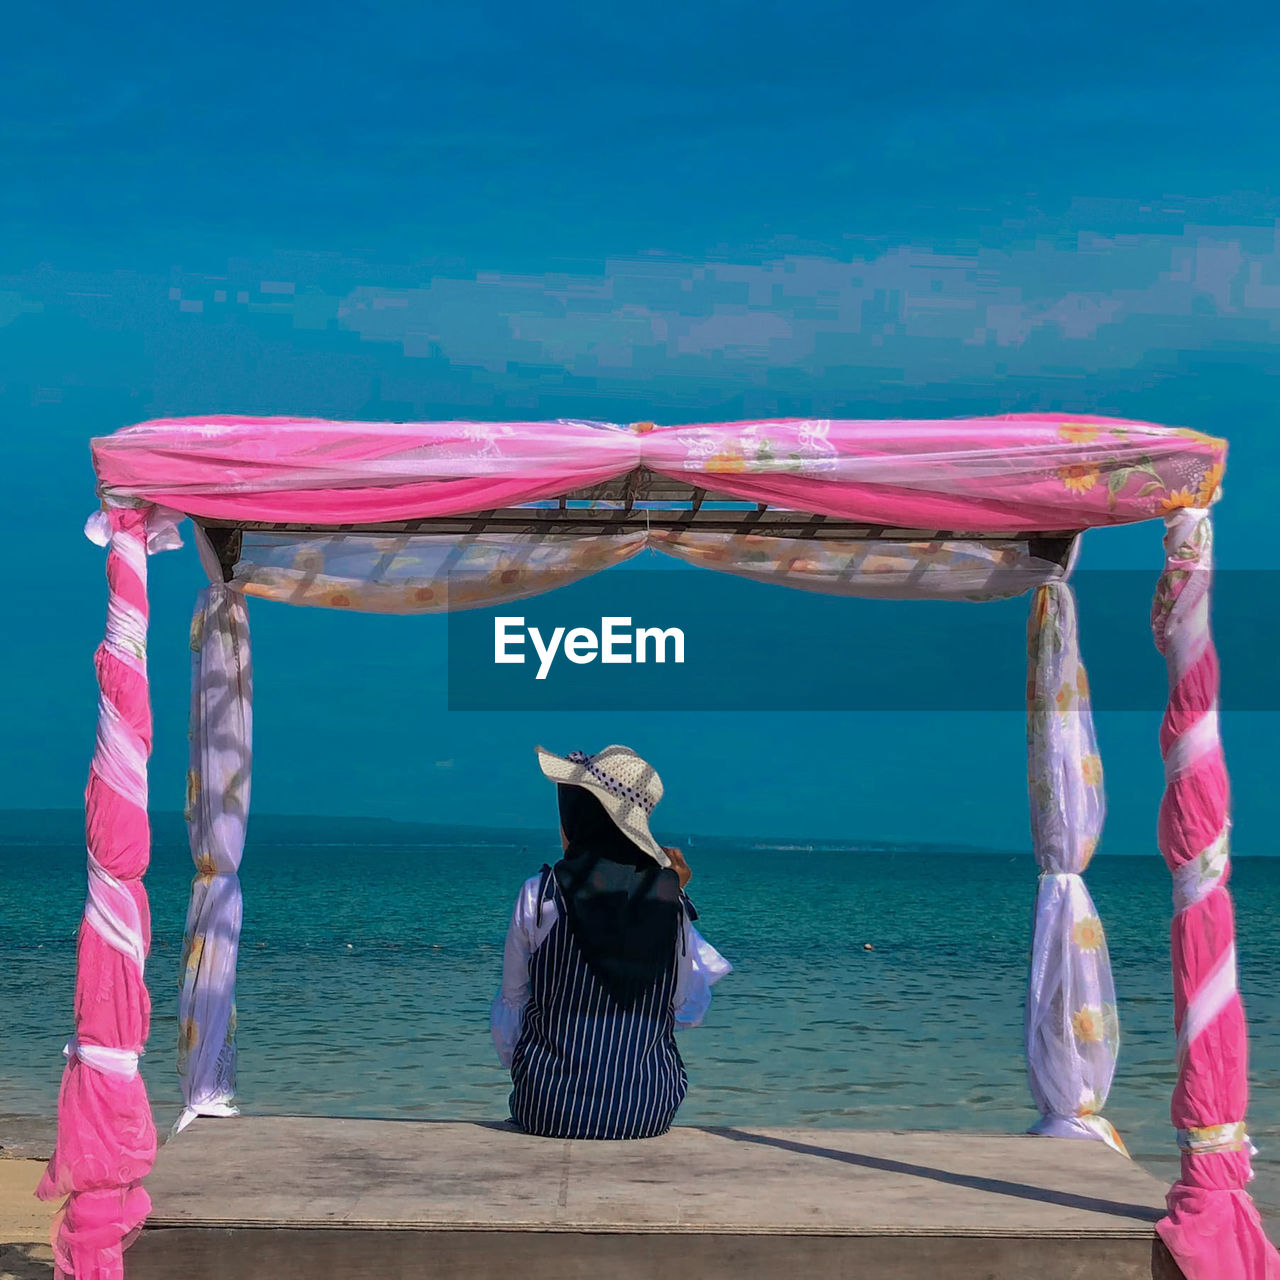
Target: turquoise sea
(367, 969)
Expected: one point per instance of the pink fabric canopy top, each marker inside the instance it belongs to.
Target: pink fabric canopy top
(1011, 474)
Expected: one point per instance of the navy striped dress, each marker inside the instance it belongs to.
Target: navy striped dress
(584, 1067)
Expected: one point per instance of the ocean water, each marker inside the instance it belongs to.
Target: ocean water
(366, 974)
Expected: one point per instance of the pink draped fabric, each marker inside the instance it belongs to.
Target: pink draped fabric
(1213, 1229)
(106, 1139)
(303, 469)
(991, 475)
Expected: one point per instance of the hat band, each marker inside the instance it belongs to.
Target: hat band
(609, 782)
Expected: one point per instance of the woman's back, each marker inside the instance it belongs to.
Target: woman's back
(586, 1065)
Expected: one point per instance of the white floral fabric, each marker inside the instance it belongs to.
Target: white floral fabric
(430, 573)
(217, 812)
(1072, 1031)
(422, 573)
(880, 569)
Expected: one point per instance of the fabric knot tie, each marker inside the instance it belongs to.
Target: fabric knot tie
(1195, 880)
(1216, 1137)
(121, 1063)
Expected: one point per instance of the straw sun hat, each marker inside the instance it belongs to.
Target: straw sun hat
(625, 785)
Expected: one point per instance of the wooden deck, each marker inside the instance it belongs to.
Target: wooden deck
(293, 1197)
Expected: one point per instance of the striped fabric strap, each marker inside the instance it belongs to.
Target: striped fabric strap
(113, 914)
(126, 634)
(120, 756)
(609, 782)
(1193, 744)
(1215, 1137)
(1209, 1000)
(1197, 879)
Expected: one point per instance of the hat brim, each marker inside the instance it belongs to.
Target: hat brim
(629, 818)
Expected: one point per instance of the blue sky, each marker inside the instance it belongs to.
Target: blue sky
(685, 213)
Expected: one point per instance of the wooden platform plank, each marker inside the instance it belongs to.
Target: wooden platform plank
(307, 1171)
(296, 1254)
(427, 1199)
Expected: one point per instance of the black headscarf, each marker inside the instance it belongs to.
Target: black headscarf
(623, 909)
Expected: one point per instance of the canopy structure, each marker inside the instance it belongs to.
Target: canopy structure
(428, 517)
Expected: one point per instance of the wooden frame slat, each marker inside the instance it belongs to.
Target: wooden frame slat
(670, 504)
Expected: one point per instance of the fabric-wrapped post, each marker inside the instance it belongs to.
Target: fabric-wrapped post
(217, 812)
(1213, 1229)
(106, 1138)
(1073, 1034)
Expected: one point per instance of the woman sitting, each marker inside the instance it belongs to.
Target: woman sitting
(602, 963)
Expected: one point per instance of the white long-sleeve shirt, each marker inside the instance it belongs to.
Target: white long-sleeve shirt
(701, 966)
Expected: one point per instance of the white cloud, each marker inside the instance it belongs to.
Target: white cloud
(1105, 300)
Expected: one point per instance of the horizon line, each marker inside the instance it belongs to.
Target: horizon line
(761, 842)
(793, 840)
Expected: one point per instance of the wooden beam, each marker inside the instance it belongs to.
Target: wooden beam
(1053, 547)
(669, 504)
(226, 542)
(555, 520)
